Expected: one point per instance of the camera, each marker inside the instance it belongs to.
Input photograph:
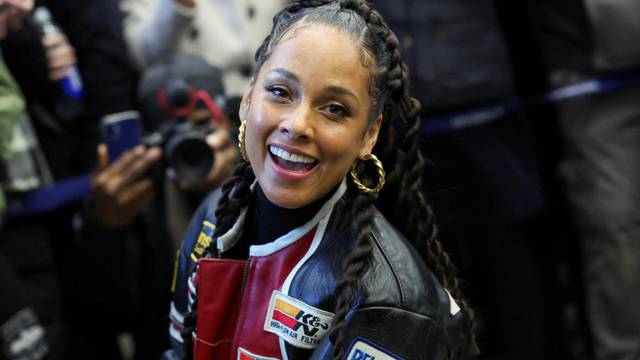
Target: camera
(176, 100)
(183, 140)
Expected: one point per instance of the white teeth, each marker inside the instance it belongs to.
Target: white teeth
(283, 154)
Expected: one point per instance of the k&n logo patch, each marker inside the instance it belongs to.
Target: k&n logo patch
(245, 355)
(365, 350)
(295, 322)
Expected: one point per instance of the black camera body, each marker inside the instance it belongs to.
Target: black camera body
(183, 142)
(185, 149)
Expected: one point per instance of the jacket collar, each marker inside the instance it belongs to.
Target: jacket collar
(229, 239)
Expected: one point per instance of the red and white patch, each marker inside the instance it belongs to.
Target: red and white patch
(295, 322)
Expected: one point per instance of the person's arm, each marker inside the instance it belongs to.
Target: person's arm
(154, 28)
(109, 235)
(387, 333)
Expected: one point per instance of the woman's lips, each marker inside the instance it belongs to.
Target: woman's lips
(290, 164)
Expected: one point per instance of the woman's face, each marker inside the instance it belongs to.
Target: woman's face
(307, 115)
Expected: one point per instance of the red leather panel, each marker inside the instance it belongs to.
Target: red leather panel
(219, 286)
(227, 318)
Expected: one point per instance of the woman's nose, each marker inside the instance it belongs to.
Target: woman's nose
(297, 124)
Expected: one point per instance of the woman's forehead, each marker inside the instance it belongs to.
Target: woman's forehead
(321, 53)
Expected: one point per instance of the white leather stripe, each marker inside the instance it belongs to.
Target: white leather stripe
(192, 289)
(175, 314)
(175, 334)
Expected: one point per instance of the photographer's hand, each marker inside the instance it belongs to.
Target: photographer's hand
(60, 55)
(226, 159)
(119, 192)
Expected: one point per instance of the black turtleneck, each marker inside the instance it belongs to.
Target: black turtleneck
(267, 221)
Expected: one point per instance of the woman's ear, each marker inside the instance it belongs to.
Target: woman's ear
(370, 137)
(243, 111)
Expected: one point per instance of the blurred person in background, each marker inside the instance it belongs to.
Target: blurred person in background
(110, 255)
(583, 40)
(223, 32)
(185, 87)
(30, 316)
(102, 294)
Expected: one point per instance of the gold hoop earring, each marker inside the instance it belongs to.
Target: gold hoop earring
(241, 146)
(379, 170)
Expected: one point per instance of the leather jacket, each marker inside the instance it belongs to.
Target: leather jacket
(279, 303)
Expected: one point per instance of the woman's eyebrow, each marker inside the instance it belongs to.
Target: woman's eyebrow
(285, 73)
(338, 90)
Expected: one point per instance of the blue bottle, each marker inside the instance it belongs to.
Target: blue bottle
(70, 94)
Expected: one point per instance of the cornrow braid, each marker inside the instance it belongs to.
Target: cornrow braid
(281, 23)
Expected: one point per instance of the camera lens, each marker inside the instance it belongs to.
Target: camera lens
(189, 155)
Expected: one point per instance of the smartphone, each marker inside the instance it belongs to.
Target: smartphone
(120, 132)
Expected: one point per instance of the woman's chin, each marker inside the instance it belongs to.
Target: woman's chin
(285, 198)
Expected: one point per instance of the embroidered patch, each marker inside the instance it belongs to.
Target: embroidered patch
(245, 355)
(365, 350)
(204, 240)
(297, 323)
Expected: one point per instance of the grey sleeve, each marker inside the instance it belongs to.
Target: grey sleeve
(154, 28)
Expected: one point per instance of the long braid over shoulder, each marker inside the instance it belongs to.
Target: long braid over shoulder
(355, 264)
(405, 180)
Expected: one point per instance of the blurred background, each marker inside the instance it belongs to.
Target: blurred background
(531, 121)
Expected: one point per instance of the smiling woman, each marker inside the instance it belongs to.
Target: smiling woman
(307, 116)
(291, 259)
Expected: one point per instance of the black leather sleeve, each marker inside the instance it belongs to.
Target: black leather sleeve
(389, 333)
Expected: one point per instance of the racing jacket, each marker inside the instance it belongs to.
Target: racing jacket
(278, 303)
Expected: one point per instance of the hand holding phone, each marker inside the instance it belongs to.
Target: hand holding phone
(119, 188)
(120, 132)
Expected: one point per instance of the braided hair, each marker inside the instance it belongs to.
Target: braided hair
(398, 144)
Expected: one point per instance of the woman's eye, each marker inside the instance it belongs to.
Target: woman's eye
(337, 110)
(278, 91)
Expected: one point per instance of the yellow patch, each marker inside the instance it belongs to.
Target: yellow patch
(203, 241)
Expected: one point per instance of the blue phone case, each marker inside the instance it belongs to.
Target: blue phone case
(121, 132)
